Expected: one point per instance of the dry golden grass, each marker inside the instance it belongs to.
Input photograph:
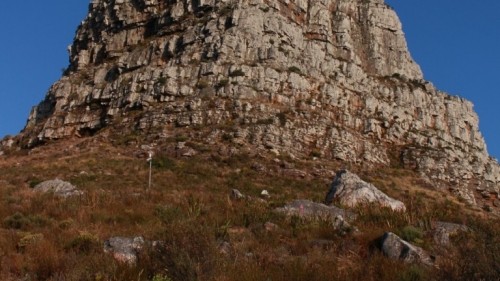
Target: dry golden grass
(44, 237)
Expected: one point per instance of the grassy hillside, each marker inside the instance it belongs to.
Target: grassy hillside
(188, 208)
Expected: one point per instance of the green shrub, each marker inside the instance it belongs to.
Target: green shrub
(168, 214)
(316, 153)
(282, 117)
(162, 80)
(203, 83)
(294, 69)
(414, 273)
(162, 162)
(34, 182)
(227, 137)
(20, 221)
(226, 10)
(236, 73)
(265, 9)
(84, 243)
(222, 83)
(29, 239)
(266, 121)
(411, 234)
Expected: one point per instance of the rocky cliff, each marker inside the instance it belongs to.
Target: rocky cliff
(329, 77)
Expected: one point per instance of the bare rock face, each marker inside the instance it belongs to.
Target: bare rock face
(330, 76)
(352, 191)
(396, 248)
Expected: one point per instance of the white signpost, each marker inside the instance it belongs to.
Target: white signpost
(150, 160)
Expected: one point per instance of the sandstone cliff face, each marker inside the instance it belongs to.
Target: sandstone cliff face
(330, 76)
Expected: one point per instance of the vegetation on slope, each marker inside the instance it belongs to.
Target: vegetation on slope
(44, 237)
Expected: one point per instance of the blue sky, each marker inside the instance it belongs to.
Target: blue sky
(455, 42)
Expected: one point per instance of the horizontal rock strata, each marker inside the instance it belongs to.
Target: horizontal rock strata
(329, 77)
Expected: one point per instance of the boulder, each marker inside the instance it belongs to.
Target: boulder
(398, 249)
(351, 191)
(311, 211)
(124, 249)
(58, 187)
(443, 231)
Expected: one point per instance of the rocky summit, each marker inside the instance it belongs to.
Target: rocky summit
(331, 79)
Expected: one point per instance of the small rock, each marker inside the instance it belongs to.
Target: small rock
(443, 231)
(258, 167)
(180, 145)
(340, 224)
(146, 147)
(124, 249)
(275, 151)
(296, 173)
(270, 227)
(487, 208)
(58, 187)
(396, 248)
(496, 203)
(287, 165)
(237, 195)
(9, 143)
(189, 152)
(183, 150)
(352, 191)
(224, 248)
(486, 194)
(265, 194)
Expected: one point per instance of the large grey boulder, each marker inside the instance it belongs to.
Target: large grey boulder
(124, 249)
(351, 191)
(398, 249)
(58, 187)
(443, 231)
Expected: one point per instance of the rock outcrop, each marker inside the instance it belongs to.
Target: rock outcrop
(333, 77)
(352, 191)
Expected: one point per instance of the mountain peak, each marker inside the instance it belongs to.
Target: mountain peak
(331, 78)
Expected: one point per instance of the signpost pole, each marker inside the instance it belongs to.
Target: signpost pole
(150, 160)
